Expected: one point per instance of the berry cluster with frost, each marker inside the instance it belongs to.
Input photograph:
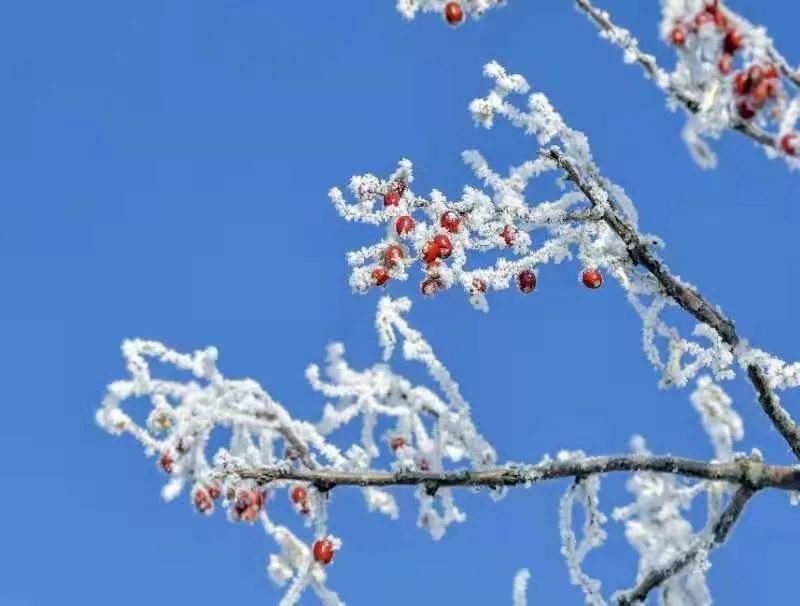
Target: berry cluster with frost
(531, 233)
(419, 427)
(453, 12)
(728, 75)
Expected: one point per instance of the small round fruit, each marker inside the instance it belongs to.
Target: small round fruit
(166, 462)
(509, 234)
(443, 244)
(453, 13)
(391, 198)
(479, 285)
(430, 254)
(380, 276)
(733, 41)
(404, 225)
(450, 221)
(678, 36)
(527, 281)
(592, 278)
(741, 83)
(323, 551)
(745, 110)
(393, 255)
(429, 286)
(397, 442)
(790, 144)
(299, 494)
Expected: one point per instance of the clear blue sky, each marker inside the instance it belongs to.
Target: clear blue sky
(163, 174)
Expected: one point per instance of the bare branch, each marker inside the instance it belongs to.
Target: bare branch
(688, 298)
(743, 472)
(716, 537)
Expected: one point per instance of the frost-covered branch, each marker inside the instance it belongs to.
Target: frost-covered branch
(717, 536)
(447, 239)
(742, 471)
(686, 296)
(729, 75)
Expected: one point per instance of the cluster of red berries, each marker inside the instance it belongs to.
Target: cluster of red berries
(247, 505)
(753, 87)
(323, 551)
(204, 497)
(713, 15)
(299, 497)
(453, 13)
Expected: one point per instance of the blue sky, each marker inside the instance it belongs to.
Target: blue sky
(163, 174)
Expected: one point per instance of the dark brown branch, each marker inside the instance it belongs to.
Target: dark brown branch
(688, 298)
(602, 20)
(743, 472)
(719, 533)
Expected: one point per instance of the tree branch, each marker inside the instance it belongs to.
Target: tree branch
(688, 298)
(718, 534)
(743, 472)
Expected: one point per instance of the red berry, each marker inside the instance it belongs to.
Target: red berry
(404, 225)
(424, 465)
(526, 280)
(725, 64)
(761, 92)
(213, 491)
(720, 20)
(443, 244)
(299, 494)
(770, 71)
(592, 278)
(258, 497)
(323, 551)
(453, 13)
(745, 111)
(741, 83)
(790, 143)
(202, 501)
(430, 254)
(733, 41)
(380, 276)
(393, 255)
(430, 285)
(450, 221)
(479, 285)
(391, 198)
(397, 442)
(509, 234)
(166, 462)
(678, 36)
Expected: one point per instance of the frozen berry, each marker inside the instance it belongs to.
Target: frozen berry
(397, 442)
(592, 278)
(444, 246)
(299, 494)
(391, 198)
(526, 280)
(323, 551)
(790, 144)
(393, 255)
(678, 36)
(733, 41)
(404, 225)
(453, 13)
(509, 234)
(450, 221)
(380, 276)
(430, 285)
(166, 462)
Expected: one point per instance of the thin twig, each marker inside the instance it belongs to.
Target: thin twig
(743, 472)
(717, 536)
(688, 298)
